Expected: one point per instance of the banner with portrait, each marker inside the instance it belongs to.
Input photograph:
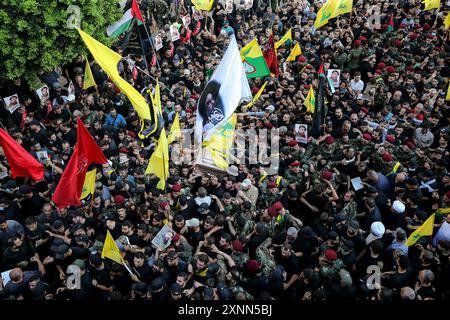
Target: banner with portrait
(12, 103)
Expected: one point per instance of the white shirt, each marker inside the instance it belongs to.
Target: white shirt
(357, 85)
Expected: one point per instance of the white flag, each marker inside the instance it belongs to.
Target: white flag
(227, 87)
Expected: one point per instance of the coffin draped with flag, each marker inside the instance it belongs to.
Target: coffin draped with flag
(227, 88)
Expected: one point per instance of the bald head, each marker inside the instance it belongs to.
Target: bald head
(16, 275)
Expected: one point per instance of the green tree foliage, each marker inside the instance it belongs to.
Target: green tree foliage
(34, 37)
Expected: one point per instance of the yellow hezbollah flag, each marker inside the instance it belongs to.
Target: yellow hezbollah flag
(431, 4)
(256, 97)
(332, 9)
(296, 51)
(156, 99)
(175, 130)
(426, 229)
(108, 60)
(310, 101)
(221, 141)
(110, 249)
(286, 37)
(88, 80)
(89, 184)
(203, 4)
(159, 161)
(447, 97)
(447, 21)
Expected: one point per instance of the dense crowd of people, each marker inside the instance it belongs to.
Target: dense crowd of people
(302, 233)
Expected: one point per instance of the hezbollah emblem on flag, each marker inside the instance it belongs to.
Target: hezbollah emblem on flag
(248, 68)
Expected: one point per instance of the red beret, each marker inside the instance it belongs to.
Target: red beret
(420, 117)
(430, 36)
(329, 140)
(253, 265)
(362, 38)
(123, 150)
(309, 66)
(411, 145)
(293, 143)
(302, 59)
(176, 237)
(447, 194)
(402, 26)
(387, 157)
(367, 136)
(410, 68)
(163, 205)
(365, 110)
(398, 43)
(390, 69)
(357, 43)
(237, 245)
(306, 86)
(413, 36)
(277, 206)
(390, 138)
(379, 72)
(272, 212)
(381, 66)
(131, 134)
(189, 110)
(426, 27)
(268, 125)
(327, 175)
(176, 187)
(272, 185)
(330, 255)
(295, 164)
(119, 199)
(438, 49)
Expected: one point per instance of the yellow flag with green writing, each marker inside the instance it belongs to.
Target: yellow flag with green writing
(447, 21)
(286, 37)
(159, 161)
(88, 80)
(175, 130)
(310, 101)
(447, 97)
(426, 229)
(89, 184)
(110, 249)
(295, 52)
(256, 97)
(332, 9)
(431, 4)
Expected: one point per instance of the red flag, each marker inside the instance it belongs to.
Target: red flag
(70, 185)
(22, 164)
(136, 12)
(24, 117)
(271, 56)
(321, 72)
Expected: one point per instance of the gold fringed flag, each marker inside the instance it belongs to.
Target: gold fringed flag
(426, 229)
(89, 184)
(286, 37)
(295, 52)
(110, 249)
(310, 101)
(88, 80)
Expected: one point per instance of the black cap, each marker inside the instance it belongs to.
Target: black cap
(202, 207)
(157, 284)
(61, 251)
(24, 190)
(308, 232)
(176, 289)
(58, 224)
(82, 238)
(224, 292)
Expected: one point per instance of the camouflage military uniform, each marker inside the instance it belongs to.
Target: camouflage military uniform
(296, 178)
(267, 199)
(330, 272)
(246, 229)
(326, 151)
(184, 251)
(230, 209)
(238, 289)
(263, 255)
(349, 209)
(240, 258)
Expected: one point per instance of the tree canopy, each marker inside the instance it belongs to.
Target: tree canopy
(35, 38)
